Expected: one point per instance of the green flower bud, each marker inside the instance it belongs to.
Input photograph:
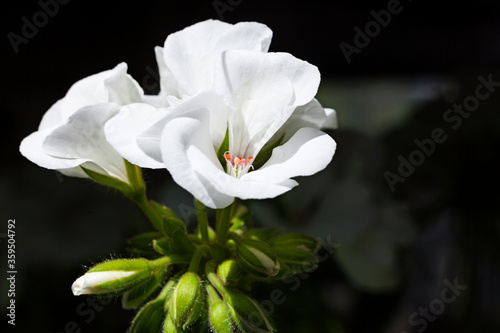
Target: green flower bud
(229, 271)
(296, 241)
(247, 313)
(118, 276)
(257, 257)
(187, 300)
(296, 260)
(114, 276)
(219, 317)
(149, 318)
(169, 326)
(296, 253)
(220, 320)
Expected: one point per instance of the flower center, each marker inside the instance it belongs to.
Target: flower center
(238, 166)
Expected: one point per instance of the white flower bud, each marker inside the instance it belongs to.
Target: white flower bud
(89, 283)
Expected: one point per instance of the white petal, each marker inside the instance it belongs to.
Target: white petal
(251, 36)
(148, 140)
(82, 140)
(190, 157)
(263, 89)
(122, 131)
(155, 100)
(78, 172)
(238, 187)
(87, 91)
(311, 115)
(306, 153)
(53, 117)
(87, 284)
(331, 121)
(186, 142)
(91, 90)
(168, 83)
(31, 148)
(190, 54)
(122, 88)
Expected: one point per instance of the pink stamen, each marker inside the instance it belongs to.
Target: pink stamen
(238, 166)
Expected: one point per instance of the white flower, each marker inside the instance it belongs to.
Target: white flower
(259, 94)
(216, 77)
(89, 283)
(71, 133)
(187, 61)
(187, 67)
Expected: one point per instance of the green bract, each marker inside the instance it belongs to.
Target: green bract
(140, 293)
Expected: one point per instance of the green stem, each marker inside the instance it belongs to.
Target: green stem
(202, 220)
(134, 174)
(197, 255)
(142, 201)
(212, 277)
(169, 260)
(213, 296)
(223, 223)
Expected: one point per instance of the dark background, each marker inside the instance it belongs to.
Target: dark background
(393, 92)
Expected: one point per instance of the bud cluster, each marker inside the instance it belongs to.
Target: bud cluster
(187, 282)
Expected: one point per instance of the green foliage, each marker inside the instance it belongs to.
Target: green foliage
(217, 298)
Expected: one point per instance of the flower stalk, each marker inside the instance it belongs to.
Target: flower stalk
(197, 256)
(223, 223)
(142, 201)
(202, 220)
